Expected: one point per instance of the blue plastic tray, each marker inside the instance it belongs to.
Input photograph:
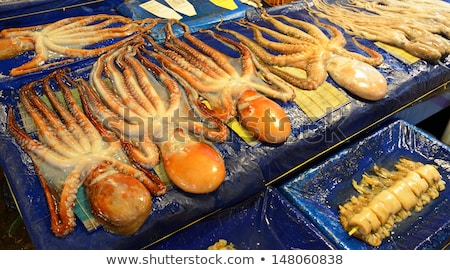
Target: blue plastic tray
(320, 190)
(267, 221)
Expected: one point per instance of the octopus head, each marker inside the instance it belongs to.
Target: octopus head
(193, 166)
(264, 118)
(359, 78)
(119, 202)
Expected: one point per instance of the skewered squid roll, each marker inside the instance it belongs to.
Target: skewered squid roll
(388, 197)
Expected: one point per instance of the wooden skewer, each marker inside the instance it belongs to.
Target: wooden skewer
(352, 231)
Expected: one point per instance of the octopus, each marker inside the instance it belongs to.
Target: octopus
(70, 152)
(224, 86)
(388, 198)
(419, 27)
(299, 44)
(67, 39)
(144, 106)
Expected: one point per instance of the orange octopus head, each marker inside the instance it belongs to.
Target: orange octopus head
(119, 202)
(264, 118)
(195, 167)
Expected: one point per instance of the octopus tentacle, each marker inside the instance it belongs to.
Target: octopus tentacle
(21, 31)
(315, 73)
(92, 34)
(35, 66)
(374, 59)
(190, 55)
(50, 128)
(219, 132)
(75, 37)
(139, 85)
(82, 53)
(283, 38)
(192, 85)
(142, 153)
(270, 59)
(337, 42)
(283, 48)
(40, 57)
(248, 68)
(106, 91)
(38, 149)
(284, 92)
(171, 87)
(323, 55)
(200, 65)
(94, 107)
(61, 215)
(218, 57)
(412, 31)
(71, 124)
(214, 130)
(167, 56)
(67, 202)
(150, 181)
(84, 22)
(221, 105)
(292, 31)
(226, 97)
(121, 81)
(184, 73)
(87, 130)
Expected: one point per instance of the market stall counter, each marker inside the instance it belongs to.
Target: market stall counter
(250, 167)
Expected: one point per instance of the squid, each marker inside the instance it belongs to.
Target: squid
(388, 198)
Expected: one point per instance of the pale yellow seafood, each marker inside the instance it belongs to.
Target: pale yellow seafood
(371, 216)
(421, 28)
(303, 45)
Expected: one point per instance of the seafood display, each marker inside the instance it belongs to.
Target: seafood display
(141, 122)
(230, 85)
(388, 197)
(71, 152)
(66, 39)
(144, 106)
(300, 44)
(419, 27)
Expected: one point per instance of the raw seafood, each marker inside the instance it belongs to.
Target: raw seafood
(388, 198)
(144, 106)
(303, 45)
(420, 27)
(230, 85)
(70, 152)
(69, 38)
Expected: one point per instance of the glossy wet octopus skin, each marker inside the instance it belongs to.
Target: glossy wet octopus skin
(143, 105)
(70, 151)
(389, 197)
(421, 28)
(297, 43)
(67, 39)
(208, 74)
